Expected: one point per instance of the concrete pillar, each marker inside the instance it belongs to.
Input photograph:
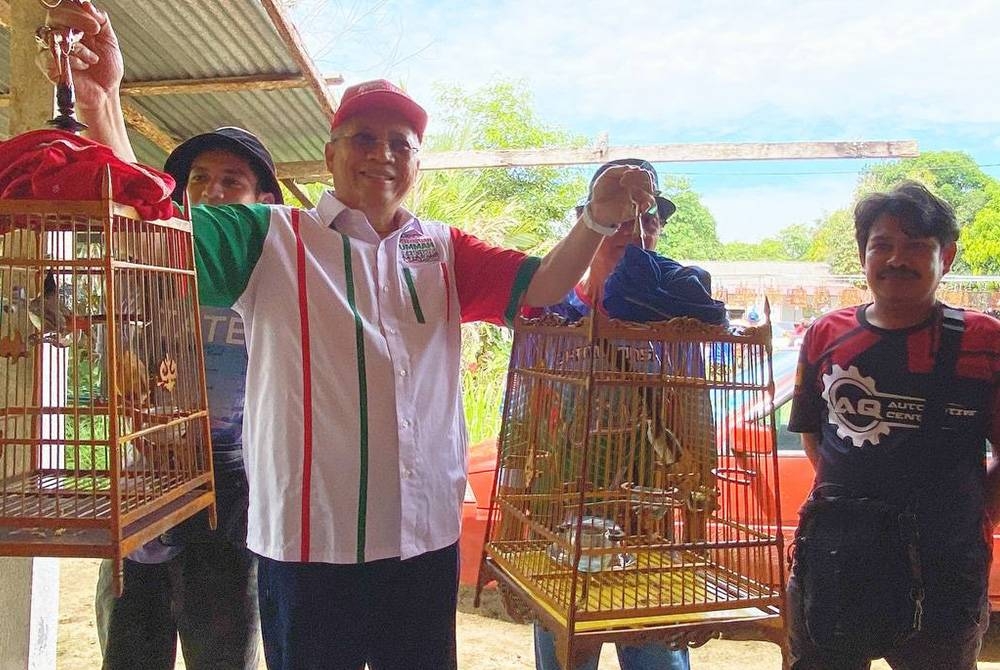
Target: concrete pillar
(30, 91)
(29, 627)
(29, 589)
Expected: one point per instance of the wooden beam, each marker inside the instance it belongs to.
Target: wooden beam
(269, 82)
(4, 14)
(290, 36)
(299, 194)
(141, 124)
(671, 153)
(255, 82)
(662, 153)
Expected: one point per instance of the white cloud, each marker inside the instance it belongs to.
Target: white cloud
(686, 66)
(664, 71)
(693, 65)
(749, 214)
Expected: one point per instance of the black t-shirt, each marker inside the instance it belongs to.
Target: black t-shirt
(863, 388)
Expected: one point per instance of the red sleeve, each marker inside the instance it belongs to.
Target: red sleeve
(490, 280)
(979, 358)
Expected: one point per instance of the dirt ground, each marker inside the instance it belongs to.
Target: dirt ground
(484, 643)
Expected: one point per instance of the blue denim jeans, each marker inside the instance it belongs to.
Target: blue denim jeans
(649, 656)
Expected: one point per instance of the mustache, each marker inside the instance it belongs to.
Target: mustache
(899, 273)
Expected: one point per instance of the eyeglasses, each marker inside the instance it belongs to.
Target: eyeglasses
(366, 143)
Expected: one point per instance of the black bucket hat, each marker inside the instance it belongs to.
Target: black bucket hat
(229, 138)
(665, 208)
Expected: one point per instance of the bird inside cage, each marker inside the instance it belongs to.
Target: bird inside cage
(45, 318)
(650, 442)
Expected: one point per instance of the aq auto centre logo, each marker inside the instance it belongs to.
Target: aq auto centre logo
(861, 413)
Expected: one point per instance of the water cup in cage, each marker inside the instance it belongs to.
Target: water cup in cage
(594, 533)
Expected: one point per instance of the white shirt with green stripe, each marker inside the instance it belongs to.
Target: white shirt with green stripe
(354, 435)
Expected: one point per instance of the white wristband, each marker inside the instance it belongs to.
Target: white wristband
(588, 221)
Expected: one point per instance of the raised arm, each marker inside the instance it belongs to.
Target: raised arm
(97, 74)
(616, 194)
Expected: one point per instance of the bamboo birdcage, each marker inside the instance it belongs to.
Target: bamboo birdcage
(637, 495)
(104, 433)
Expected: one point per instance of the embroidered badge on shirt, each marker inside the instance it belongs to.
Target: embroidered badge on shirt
(418, 248)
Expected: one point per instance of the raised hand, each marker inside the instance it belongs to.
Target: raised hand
(98, 68)
(617, 193)
(96, 59)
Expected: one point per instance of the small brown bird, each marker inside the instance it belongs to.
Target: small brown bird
(53, 322)
(133, 379)
(665, 444)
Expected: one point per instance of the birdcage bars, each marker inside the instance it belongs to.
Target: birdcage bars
(636, 491)
(99, 454)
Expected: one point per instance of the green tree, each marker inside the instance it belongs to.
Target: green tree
(833, 243)
(765, 250)
(980, 240)
(952, 175)
(525, 208)
(795, 240)
(500, 116)
(691, 232)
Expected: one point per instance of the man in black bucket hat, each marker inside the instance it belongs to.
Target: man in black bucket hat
(253, 159)
(664, 208)
(193, 582)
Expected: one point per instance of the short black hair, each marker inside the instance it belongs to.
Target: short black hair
(920, 214)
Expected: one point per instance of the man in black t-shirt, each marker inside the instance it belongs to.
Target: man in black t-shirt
(865, 374)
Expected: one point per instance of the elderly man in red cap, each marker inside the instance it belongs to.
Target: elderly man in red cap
(355, 440)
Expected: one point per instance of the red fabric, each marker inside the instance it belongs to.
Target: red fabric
(484, 277)
(56, 165)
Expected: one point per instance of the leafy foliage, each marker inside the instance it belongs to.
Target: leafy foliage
(524, 208)
(834, 243)
(795, 240)
(765, 250)
(953, 176)
(980, 240)
(500, 116)
(691, 232)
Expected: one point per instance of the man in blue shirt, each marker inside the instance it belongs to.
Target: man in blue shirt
(193, 582)
(651, 655)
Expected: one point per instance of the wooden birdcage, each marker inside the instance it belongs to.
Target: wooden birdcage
(637, 494)
(104, 434)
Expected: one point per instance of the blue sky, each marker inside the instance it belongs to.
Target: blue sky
(668, 71)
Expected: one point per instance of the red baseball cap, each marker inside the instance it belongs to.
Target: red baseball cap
(379, 94)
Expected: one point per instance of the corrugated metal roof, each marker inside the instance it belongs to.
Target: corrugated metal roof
(196, 40)
(185, 39)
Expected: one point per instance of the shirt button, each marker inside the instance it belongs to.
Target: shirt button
(406, 474)
(402, 373)
(392, 331)
(406, 423)
(385, 289)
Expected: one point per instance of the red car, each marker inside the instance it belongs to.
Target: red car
(795, 474)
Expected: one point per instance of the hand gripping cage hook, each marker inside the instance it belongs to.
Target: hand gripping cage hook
(59, 42)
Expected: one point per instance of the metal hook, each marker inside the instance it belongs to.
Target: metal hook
(56, 3)
(60, 43)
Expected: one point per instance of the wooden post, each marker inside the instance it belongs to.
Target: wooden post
(30, 586)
